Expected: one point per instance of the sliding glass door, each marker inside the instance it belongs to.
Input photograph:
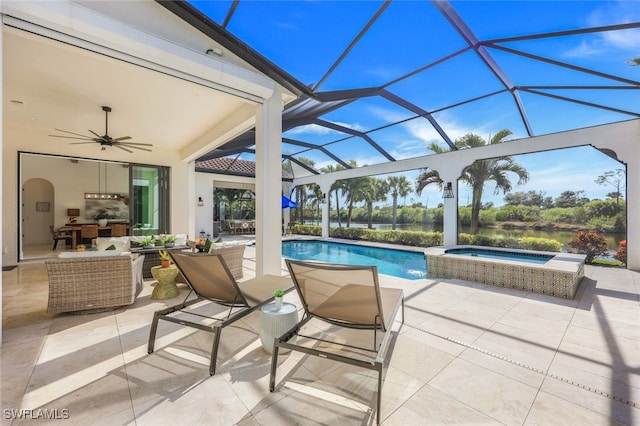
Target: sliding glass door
(149, 203)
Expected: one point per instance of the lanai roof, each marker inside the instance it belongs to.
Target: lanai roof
(378, 80)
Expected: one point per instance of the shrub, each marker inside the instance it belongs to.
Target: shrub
(621, 252)
(541, 244)
(590, 244)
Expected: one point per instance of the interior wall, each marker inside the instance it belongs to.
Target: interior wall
(36, 222)
(71, 178)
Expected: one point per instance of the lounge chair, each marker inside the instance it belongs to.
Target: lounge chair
(209, 279)
(343, 296)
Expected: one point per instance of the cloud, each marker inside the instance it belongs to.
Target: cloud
(314, 129)
(618, 12)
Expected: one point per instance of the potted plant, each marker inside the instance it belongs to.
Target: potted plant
(80, 247)
(103, 218)
(165, 259)
(279, 294)
(148, 242)
(169, 241)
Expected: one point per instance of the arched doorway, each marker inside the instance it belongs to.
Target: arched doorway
(37, 215)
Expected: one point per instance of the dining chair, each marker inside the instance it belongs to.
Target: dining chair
(57, 236)
(118, 229)
(88, 232)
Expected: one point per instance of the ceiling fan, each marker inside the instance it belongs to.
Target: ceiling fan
(105, 140)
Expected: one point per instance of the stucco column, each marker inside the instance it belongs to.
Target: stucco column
(450, 216)
(268, 186)
(633, 213)
(1, 168)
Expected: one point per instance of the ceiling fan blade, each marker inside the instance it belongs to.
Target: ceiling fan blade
(71, 137)
(95, 133)
(77, 134)
(135, 143)
(80, 143)
(122, 148)
(132, 147)
(124, 138)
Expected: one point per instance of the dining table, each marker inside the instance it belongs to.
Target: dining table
(74, 230)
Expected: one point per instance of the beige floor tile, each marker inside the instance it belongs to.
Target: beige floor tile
(497, 396)
(548, 410)
(430, 406)
(618, 411)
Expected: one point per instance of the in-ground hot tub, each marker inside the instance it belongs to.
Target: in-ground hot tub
(555, 274)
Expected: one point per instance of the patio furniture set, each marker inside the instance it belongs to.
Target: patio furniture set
(343, 296)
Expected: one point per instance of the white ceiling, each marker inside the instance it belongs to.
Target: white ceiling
(48, 84)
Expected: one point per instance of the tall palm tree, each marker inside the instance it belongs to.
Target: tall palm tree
(476, 175)
(399, 186)
(301, 191)
(350, 190)
(371, 190)
(315, 199)
(335, 187)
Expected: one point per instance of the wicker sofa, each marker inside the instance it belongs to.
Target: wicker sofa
(93, 281)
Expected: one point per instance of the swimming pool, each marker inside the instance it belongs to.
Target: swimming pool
(399, 263)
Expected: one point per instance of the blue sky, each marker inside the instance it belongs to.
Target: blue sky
(306, 37)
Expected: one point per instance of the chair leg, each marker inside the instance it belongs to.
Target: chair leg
(274, 366)
(152, 333)
(379, 396)
(214, 350)
(55, 244)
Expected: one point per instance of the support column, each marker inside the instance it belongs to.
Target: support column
(633, 214)
(268, 186)
(450, 216)
(1, 168)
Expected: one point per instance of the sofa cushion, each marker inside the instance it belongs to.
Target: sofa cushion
(120, 243)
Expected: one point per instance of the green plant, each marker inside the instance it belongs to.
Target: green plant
(278, 293)
(147, 241)
(164, 255)
(103, 216)
(169, 239)
(590, 244)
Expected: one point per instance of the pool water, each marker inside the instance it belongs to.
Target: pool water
(398, 263)
(503, 255)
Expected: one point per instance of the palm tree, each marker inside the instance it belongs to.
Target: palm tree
(350, 189)
(399, 186)
(301, 191)
(337, 186)
(315, 199)
(481, 171)
(371, 190)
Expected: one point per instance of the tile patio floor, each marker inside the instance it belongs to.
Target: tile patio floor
(467, 354)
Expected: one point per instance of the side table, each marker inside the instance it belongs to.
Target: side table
(274, 323)
(166, 277)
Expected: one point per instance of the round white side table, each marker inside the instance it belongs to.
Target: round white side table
(275, 323)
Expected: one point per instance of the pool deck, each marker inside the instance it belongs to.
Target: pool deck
(467, 354)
